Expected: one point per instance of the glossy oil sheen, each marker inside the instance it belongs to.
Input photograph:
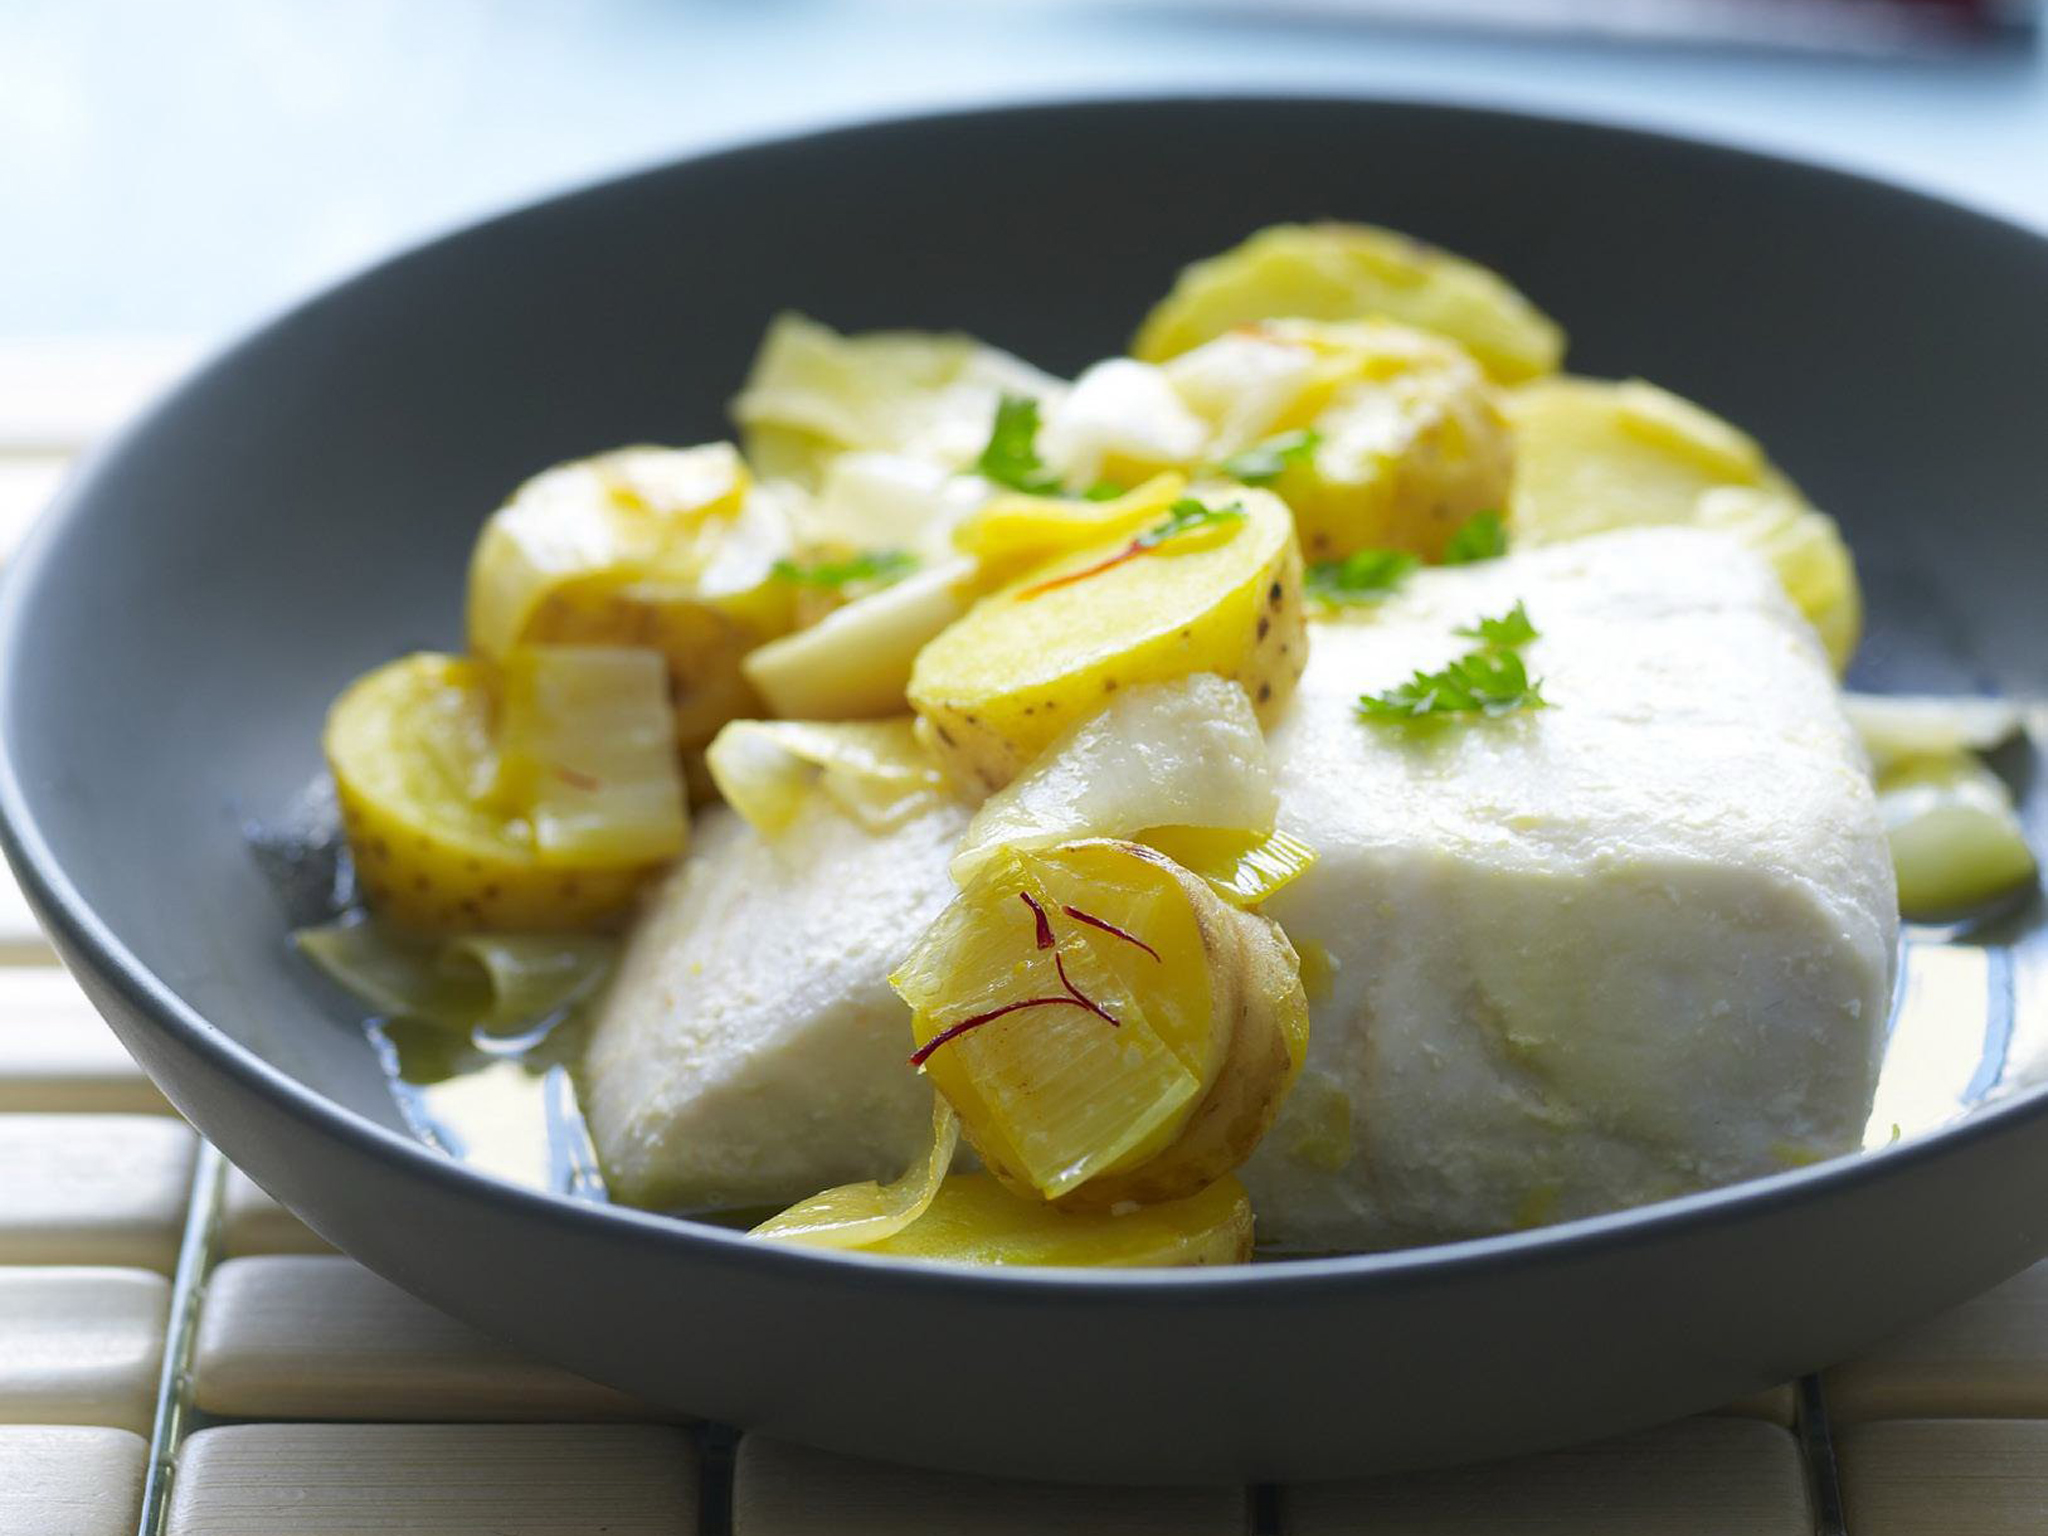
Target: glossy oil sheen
(302, 509)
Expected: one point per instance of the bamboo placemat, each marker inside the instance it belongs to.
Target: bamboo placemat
(179, 1354)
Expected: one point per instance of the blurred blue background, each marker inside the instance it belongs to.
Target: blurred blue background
(180, 169)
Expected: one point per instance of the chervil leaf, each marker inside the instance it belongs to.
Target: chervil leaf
(1186, 516)
(1103, 490)
(1011, 457)
(1510, 629)
(1482, 536)
(1488, 683)
(880, 566)
(1263, 463)
(1363, 577)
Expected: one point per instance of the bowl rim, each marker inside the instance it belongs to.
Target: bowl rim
(79, 929)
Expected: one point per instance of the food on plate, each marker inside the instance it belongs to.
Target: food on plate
(1349, 271)
(1591, 455)
(1326, 781)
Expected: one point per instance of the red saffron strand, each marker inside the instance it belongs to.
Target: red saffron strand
(1110, 928)
(576, 778)
(1075, 998)
(1045, 940)
(1130, 551)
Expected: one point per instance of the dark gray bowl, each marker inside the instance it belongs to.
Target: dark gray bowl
(301, 510)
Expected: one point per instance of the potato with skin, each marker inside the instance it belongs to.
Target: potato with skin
(1031, 659)
(1408, 435)
(1350, 272)
(1591, 455)
(1108, 1030)
(662, 549)
(412, 750)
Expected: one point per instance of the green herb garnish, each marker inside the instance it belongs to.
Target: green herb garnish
(1510, 629)
(1482, 536)
(880, 566)
(1104, 490)
(1363, 577)
(1490, 681)
(1186, 516)
(1263, 463)
(1011, 457)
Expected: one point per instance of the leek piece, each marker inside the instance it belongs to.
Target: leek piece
(1188, 753)
(858, 1215)
(1899, 726)
(975, 1220)
(875, 770)
(587, 755)
(1957, 844)
(499, 982)
(1244, 868)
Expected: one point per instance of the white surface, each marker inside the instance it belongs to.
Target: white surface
(70, 1481)
(93, 1189)
(81, 1346)
(57, 1053)
(323, 1338)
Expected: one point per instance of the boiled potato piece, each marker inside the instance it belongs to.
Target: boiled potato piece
(663, 549)
(1408, 437)
(1029, 660)
(814, 394)
(1957, 843)
(974, 1220)
(415, 764)
(1107, 1028)
(1591, 456)
(1351, 272)
(856, 662)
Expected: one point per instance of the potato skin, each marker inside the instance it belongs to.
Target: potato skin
(998, 686)
(1453, 457)
(427, 855)
(1336, 271)
(1258, 998)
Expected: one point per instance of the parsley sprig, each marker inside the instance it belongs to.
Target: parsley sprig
(880, 566)
(1362, 577)
(1482, 536)
(1490, 681)
(1011, 457)
(1187, 516)
(1265, 462)
(1504, 633)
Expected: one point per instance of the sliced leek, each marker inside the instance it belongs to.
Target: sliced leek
(1244, 868)
(1187, 753)
(875, 770)
(496, 982)
(1957, 843)
(975, 1220)
(859, 1215)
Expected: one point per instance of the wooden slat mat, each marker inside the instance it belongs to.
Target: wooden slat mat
(302, 1394)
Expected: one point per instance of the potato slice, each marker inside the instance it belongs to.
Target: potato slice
(1029, 660)
(1408, 437)
(1592, 456)
(661, 549)
(416, 770)
(1351, 272)
(974, 1220)
(813, 394)
(1108, 1029)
